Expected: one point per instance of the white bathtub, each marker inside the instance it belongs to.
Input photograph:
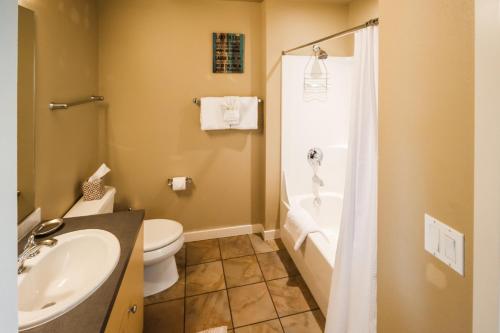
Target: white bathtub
(316, 258)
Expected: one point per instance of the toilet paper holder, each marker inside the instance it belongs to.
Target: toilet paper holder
(189, 181)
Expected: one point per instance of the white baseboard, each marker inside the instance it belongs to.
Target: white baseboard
(271, 234)
(192, 236)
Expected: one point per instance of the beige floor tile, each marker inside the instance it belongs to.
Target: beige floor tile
(272, 326)
(204, 278)
(262, 246)
(276, 265)
(180, 257)
(251, 304)
(164, 317)
(242, 271)
(291, 295)
(202, 251)
(236, 246)
(307, 322)
(174, 292)
(207, 311)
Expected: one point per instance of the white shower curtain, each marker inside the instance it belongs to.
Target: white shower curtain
(353, 299)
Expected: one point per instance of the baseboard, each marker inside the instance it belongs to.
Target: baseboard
(246, 229)
(271, 234)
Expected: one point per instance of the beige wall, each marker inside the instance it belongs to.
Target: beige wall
(426, 161)
(487, 176)
(26, 113)
(289, 24)
(66, 69)
(155, 56)
(361, 11)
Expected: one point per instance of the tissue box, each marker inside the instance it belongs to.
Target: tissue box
(93, 190)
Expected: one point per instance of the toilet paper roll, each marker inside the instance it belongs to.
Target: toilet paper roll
(179, 183)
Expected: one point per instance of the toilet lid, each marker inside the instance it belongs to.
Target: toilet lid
(160, 233)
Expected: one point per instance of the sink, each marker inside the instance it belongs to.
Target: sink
(61, 277)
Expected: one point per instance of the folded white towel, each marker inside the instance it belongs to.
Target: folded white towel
(221, 329)
(231, 110)
(213, 114)
(249, 114)
(299, 224)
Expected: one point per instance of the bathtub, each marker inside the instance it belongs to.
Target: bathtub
(316, 258)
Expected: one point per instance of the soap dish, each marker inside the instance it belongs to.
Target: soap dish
(47, 227)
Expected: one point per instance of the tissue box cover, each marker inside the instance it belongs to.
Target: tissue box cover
(93, 190)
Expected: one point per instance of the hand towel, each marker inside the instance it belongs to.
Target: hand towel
(249, 114)
(300, 224)
(231, 110)
(212, 114)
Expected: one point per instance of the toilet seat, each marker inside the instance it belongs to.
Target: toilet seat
(159, 233)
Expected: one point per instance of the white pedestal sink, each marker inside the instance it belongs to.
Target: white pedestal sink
(61, 277)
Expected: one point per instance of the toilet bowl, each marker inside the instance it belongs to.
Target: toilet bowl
(162, 240)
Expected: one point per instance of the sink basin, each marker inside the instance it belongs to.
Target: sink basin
(61, 277)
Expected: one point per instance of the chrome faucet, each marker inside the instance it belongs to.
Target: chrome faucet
(31, 250)
(315, 157)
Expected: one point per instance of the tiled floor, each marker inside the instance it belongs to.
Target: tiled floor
(242, 282)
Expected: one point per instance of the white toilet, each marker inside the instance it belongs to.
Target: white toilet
(162, 240)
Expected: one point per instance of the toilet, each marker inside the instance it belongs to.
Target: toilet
(162, 240)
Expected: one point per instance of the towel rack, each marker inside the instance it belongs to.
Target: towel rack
(63, 106)
(197, 100)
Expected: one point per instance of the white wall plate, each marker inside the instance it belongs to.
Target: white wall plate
(445, 243)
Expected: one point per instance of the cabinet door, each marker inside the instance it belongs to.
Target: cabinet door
(127, 315)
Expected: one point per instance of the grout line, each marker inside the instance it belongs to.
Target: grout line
(165, 301)
(225, 283)
(185, 286)
(301, 312)
(243, 285)
(270, 296)
(227, 288)
(184, 298)
(259, 322)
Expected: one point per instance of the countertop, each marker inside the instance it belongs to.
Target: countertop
(91, 316)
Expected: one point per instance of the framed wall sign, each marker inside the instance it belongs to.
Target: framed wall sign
(228, 52)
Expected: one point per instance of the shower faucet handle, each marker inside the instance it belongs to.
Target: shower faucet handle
(315, 156)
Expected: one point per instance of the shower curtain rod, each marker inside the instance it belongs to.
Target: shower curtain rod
(372, 22)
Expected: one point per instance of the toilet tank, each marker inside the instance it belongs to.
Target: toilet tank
(94, 207)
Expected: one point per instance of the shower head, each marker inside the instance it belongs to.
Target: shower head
(319, 52)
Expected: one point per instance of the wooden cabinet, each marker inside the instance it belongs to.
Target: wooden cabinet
(127, 315)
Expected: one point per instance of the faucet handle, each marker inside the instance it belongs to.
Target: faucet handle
(315, 156)
(30, 243)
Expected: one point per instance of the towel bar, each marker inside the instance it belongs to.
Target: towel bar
(63, 106)
(197, 100)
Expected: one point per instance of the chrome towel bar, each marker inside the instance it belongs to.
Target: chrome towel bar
(197, 100)
(64, 106)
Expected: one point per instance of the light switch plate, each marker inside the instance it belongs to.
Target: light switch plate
(445, 243)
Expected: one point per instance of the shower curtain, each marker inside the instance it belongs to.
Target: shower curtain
(353, 299)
